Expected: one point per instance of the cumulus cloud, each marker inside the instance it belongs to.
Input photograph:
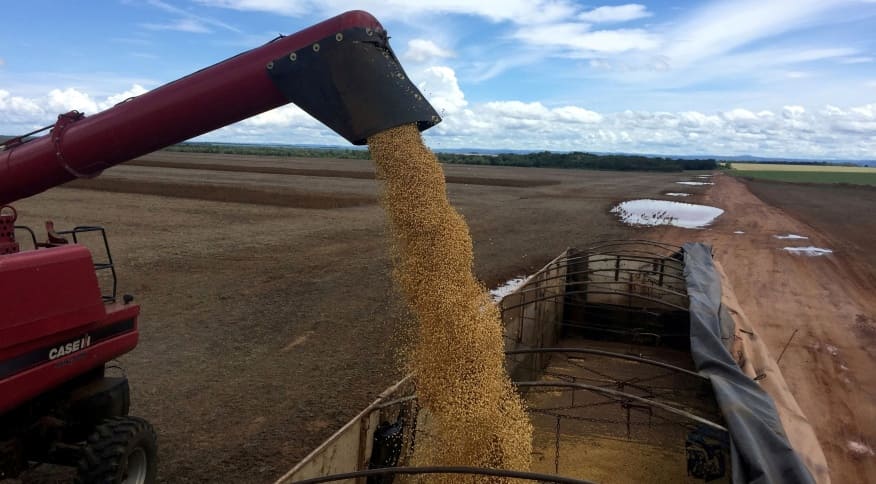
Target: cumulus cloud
(17, 109)
(615, 13)
(111, 101)
(793, 131)
(71, 99)
(19, 113)
(422, 50)
(440, 86)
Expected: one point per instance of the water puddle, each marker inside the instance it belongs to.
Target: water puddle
(507, 288)
(791, 237)
(677, 194)
(860, 448)
(694, 183)
(810, 251)
(738, 232)
(664, 212)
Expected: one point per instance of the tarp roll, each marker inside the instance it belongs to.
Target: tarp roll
(760, 451)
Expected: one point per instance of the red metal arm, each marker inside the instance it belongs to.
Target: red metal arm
(211, 98)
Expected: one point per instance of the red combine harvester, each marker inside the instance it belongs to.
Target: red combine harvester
(58, 328)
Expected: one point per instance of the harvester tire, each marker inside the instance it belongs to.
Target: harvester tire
(120, 450)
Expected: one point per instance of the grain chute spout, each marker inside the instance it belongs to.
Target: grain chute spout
(352, 82)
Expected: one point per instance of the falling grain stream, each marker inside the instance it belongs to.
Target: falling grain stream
(475, 416)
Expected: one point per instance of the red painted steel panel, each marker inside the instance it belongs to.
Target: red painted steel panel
(25, 385)
(47, 291)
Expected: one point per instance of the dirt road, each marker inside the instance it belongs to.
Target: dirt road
(829, 299)
(270, 321)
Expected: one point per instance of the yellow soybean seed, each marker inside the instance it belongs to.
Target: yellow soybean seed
(475, 416)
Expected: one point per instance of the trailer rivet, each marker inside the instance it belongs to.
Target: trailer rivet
(316, 47)
(293, 57)
(339, 36)
(270, 65)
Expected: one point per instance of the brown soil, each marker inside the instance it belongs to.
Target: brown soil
(829, 299)
(842, 213)
(266, 327)
(280, 198)
(239, 164)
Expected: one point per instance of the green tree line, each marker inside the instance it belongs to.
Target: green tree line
(542, 159)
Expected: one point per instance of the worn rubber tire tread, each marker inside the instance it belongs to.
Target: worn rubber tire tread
(110, 443)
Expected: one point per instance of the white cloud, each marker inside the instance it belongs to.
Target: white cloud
(70, 99)
(790, 112)
(533, 111)
(574, 114)
(721, 27)
(739, 114)
(856, 60)
(195, 21)
(285, 116)
(794, 131)
(19, 113)
(440, 86)
(181, 25)
(2, 62)
(578, 39)
(616, 13)
(111, 101)
(517, 11)
(422, 50)
(797, 74)
(17, 109)
(794, 56)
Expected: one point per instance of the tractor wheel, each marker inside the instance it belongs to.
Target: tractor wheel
(121, 450)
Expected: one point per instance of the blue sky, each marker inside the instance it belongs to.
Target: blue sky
(771, 78)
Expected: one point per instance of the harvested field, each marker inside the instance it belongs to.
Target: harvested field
(236, 163)
(843, 213)
(264, 326)
(828, 300)
(280, 198)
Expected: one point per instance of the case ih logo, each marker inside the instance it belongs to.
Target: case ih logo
(71, 347)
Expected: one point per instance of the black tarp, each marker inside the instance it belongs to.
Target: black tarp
(760, 451)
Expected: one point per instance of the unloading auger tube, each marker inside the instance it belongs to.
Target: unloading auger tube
(341, 71)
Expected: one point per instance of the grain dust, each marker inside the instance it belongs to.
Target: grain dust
(475, 417)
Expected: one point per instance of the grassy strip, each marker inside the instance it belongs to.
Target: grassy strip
(812, 167)
(809, 176)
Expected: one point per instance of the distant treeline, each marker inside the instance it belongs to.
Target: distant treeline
(256, 150)
(577, 159)
(542, 159)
